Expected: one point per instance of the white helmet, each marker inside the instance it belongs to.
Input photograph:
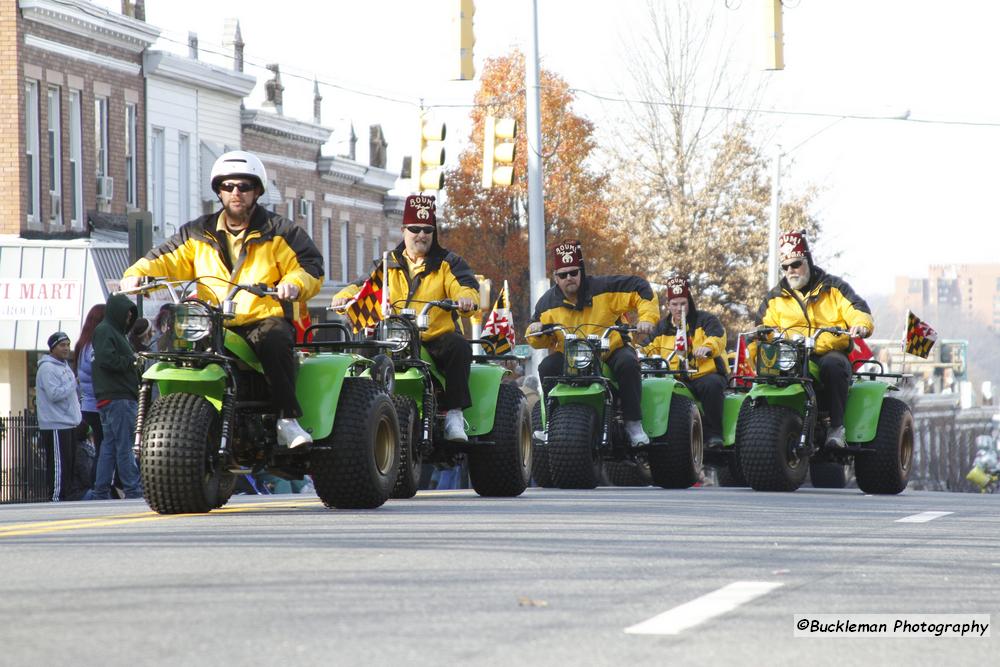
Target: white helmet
(235, 164)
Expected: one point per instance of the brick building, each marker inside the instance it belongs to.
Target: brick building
(72, 152)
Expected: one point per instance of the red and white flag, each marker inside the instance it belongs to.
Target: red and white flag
(498, 330)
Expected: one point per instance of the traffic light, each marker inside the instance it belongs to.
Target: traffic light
(498, 151)
(466, 40)
(428, 170)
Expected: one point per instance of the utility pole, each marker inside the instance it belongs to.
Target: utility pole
(536, 208)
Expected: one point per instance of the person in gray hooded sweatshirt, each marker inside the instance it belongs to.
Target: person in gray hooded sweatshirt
(59, 414)
(116, 388)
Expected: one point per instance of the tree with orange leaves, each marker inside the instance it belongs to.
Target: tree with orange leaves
(489, 227)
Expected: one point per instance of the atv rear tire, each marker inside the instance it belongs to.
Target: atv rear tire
(731, 474)
(828, 474)
(503, 469)
(676, 463)
(180, 434)
(410, 434)
(572, 431)
(628, 473)
(886, 470)
(540, 455)
(767, 436)
(357, 465)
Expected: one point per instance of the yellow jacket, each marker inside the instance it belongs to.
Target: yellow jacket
(827, 301)
(274, 250)
(601, 302)
(703, 329)
(444, 275)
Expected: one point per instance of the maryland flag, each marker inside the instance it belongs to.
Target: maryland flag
(859, 352)
(365, 309)
(920, 337)
(681, 338)
(301, 321)
(498, 330)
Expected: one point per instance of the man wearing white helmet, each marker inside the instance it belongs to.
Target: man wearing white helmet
(246, 243)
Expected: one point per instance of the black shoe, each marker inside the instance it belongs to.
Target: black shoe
(714, 441)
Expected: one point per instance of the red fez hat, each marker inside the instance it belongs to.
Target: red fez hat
(678, 286)
(419, 210)
(567, 254)
(792, 246)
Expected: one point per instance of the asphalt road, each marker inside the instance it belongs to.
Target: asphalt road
(550, 578)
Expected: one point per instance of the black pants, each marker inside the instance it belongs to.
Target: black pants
(624, 365)
(453, 356)
(835, 378)
(60, 457)
(710, 389)
(93, 420)
(273, 341)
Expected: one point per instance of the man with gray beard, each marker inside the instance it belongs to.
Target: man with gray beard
(808, 298)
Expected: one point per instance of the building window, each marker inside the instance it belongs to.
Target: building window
(325, 225)
(290, 210)
(183, 181)
(377, 248)
(75, 159)
(131, 170)
(31, 149)
(158, 186)
(345, 238)
(307, 213)
(55, 155)
(105, 185)
(359, 255)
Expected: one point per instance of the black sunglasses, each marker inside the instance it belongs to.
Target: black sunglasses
(242, 187)
(420, 230)
(794, 265)
(573, 273)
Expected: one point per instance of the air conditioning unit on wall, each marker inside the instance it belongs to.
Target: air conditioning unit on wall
(55, 206)
(303, 207)
(105, 188)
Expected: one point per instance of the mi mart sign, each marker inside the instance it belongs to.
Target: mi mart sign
(40, 299)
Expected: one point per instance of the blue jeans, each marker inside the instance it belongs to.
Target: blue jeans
(118, 424)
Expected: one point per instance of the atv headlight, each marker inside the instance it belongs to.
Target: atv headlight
(579, 354)
(787, 356)
(192, 322)
(398, 333)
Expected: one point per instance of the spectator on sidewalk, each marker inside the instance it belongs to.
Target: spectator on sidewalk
(58, 414)
(116, 387)
(83, 362)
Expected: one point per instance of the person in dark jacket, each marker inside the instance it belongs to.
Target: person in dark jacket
(58, 414)
(593, 303)
(116, 388)
(703, 344)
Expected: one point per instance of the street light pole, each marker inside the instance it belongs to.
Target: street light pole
(536, 208)
(772, 238)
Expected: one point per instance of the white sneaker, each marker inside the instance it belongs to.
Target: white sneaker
(636, 433)
(540, 435)
(291, 435)
(454, 426)
(836, 438)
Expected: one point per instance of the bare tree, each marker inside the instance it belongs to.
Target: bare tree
(695, 187)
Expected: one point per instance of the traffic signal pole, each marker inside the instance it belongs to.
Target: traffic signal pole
(536, 210)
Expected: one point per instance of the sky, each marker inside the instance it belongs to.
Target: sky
(896, 196)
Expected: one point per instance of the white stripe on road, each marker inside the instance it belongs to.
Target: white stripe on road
(923, 517)
(701, 609)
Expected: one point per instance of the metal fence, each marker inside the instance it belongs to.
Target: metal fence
(23, 469)
(944, 441)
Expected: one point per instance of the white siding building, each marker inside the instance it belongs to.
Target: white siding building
(193, 116)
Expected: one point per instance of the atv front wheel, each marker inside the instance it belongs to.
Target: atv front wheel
(768, 438)
(572, 430)
(886, 470)
(731, 474)
(179, 476)
(503, 469)
(828, 474)
(628, 473)
(357, 465)
(676, 463)
(540, 455)
(410, 434)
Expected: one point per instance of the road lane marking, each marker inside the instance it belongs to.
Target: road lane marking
(699, 610)
(923, 517)
(55, 526)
